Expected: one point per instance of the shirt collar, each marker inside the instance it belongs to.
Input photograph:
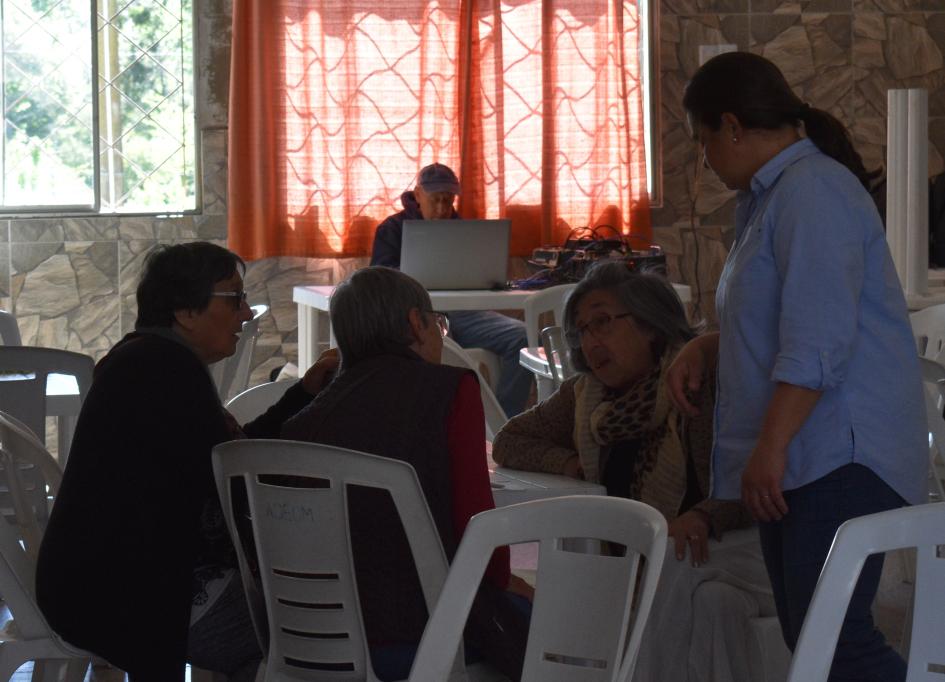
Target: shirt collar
(769, 173)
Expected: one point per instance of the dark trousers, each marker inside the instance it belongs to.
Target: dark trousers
(795, 549)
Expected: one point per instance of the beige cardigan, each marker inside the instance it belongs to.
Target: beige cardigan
(547, 436)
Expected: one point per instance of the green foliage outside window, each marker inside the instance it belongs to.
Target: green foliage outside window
(145, 124)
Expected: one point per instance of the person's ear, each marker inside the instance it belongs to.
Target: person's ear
(185, 318)
(417, 323)
(731, 126)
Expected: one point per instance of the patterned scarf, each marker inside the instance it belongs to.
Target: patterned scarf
(643, 413)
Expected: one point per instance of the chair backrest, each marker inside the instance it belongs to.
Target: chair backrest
(582, 624)
(29, 480)
(20, 535)
(255, 400)
(556, 352)
(9, 330)
(231, 374)
(933, 379)
(23, 374)
(455, 356)
(552, 299)
(928, 328)
(922, 527)
(308, 616)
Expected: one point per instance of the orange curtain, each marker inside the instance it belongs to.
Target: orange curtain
(336, 104)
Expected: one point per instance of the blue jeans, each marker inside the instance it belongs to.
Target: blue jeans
(795, 549)
(505, 337)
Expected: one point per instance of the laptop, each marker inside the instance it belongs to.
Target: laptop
(456, 254)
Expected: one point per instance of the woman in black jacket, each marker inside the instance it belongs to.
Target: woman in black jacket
(136, 565)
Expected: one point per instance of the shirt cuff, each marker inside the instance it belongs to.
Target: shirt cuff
(812, 369)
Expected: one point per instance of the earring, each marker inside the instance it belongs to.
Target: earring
(734, 140)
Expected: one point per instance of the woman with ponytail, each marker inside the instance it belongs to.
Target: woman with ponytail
(819, 410)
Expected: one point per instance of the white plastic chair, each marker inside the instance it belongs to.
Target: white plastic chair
(9, 330)
(231, 374)
(255, 400)
(933, 379)
(24, 371)
(27, 500)
(303, 550)
(456, 356)
(928, 328)
(582, 628)
(923, 527)
(487, 364)
(556, 351)
(551, 300)
(27, 636)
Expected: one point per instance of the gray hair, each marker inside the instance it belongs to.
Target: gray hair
(649, 298)
(369, 312)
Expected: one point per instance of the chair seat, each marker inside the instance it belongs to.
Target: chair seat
(488, 365)
(255, 400)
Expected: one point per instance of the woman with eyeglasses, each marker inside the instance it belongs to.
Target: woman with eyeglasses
(393, 398)
(614, 424)
(136, 564)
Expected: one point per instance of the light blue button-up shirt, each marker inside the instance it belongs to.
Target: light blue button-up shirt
(809, 296)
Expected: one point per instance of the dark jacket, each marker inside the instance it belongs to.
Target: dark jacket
(115, 568)
(390, 233)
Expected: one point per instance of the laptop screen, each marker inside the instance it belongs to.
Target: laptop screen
(456, 254)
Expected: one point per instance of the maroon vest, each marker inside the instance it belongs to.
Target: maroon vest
(393, 405)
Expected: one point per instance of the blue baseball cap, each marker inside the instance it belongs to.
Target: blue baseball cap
(438, 178)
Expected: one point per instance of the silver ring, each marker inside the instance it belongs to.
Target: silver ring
(765, 495)
(693, 537)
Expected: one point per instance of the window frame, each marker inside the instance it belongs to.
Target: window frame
(95, 208)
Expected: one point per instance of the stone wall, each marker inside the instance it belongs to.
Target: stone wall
(71, 281)
(839, 55)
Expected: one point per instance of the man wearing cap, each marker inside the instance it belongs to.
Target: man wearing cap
(432, 199)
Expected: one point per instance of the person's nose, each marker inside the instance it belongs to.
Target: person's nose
(589, 341)
(246, 313)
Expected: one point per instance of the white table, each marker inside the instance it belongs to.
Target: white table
(312, 300)
(511, 486)
(63, 402)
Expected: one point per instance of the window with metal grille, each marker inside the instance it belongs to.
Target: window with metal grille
(98, 107)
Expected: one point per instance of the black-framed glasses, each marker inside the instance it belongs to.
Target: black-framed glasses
(442, 321)
(239, 297)
(599, 325)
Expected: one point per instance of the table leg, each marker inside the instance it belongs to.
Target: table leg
(308, 337)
